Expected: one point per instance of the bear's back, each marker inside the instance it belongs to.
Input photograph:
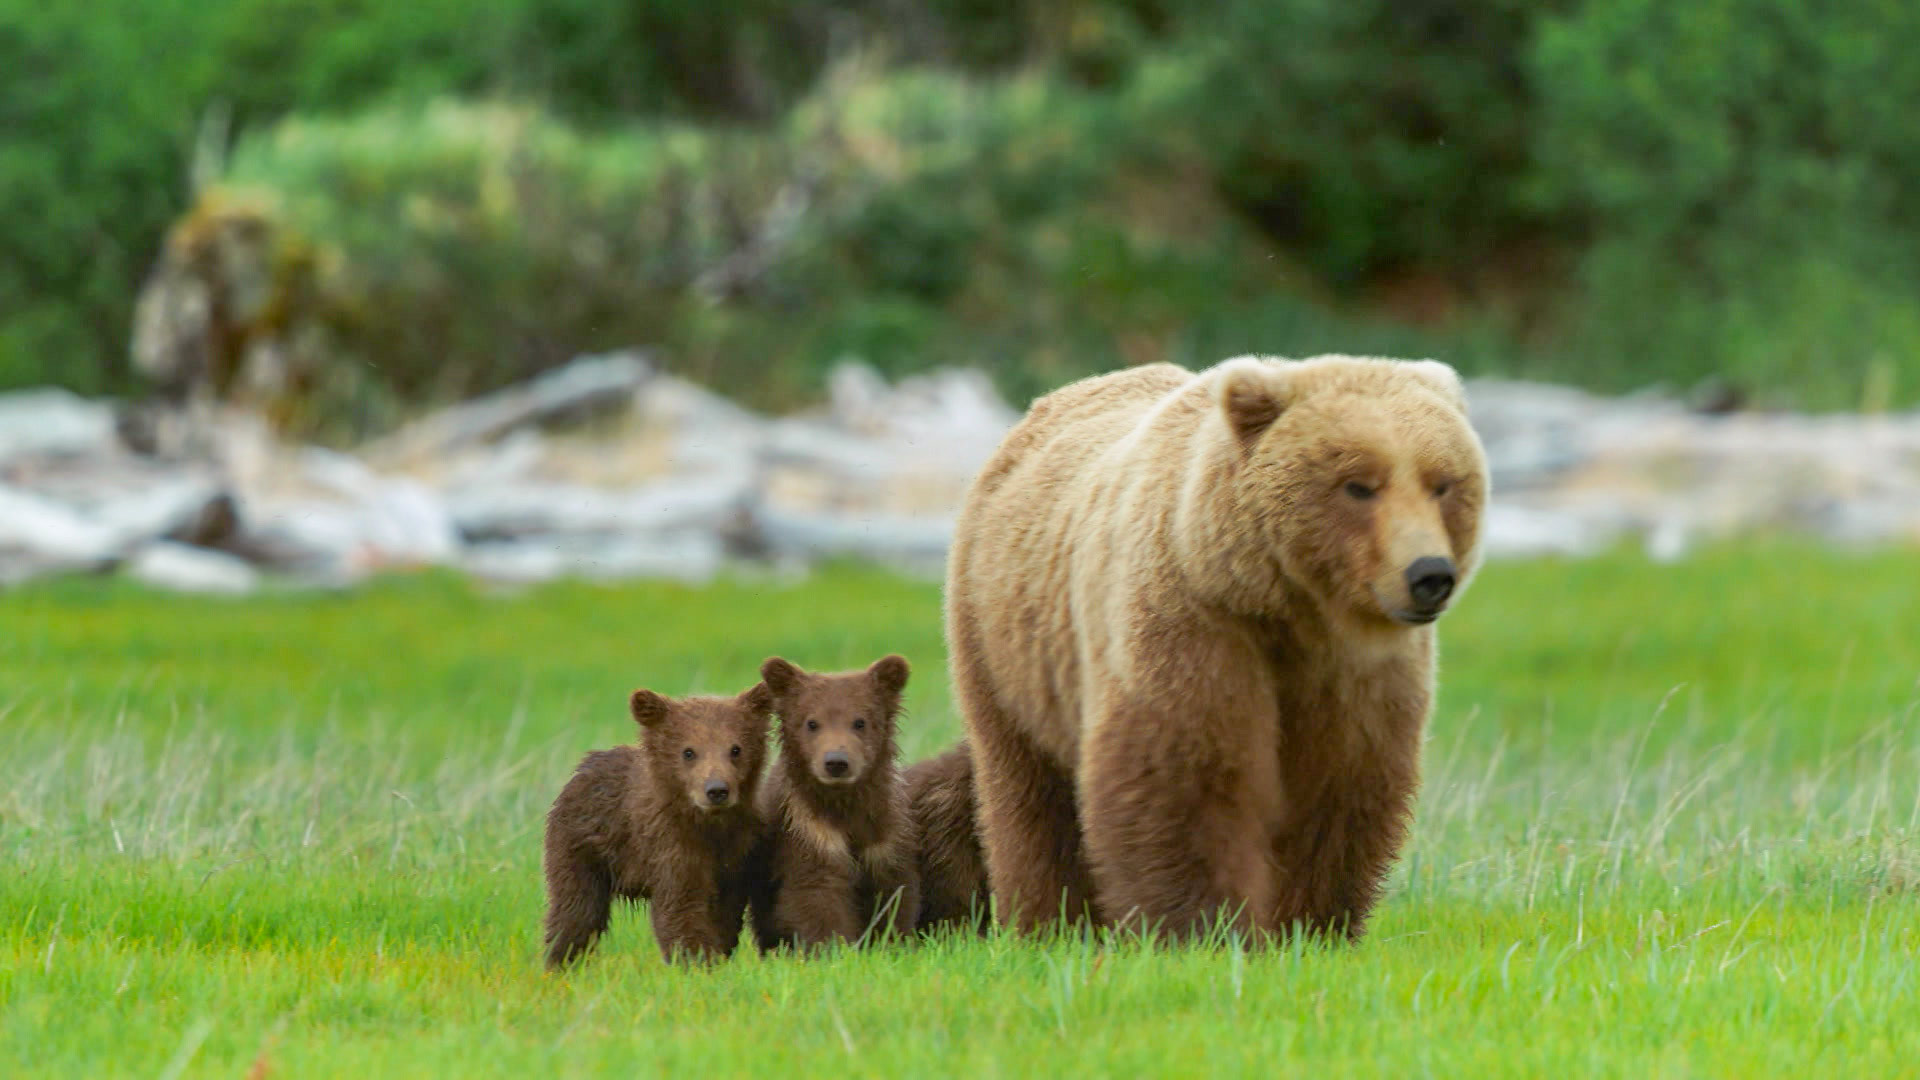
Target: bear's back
(1064, 428)
(1042, 513)
(595, 810)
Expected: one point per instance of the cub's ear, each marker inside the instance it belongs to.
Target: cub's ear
(890, 673)
(648, 707)
(1252, 395)
(1440, 377)
(780, 676)
(757, 699)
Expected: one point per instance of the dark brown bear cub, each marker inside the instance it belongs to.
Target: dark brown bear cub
(672, 821)
(952, 870)
(839, 849)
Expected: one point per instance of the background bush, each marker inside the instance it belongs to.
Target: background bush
(1371, 136)
(1741, 168)
(1615, 192)
(433, 252)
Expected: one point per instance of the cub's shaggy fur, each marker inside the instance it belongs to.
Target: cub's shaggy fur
(1190, 622)
(953, 872)
(672, 821)
(839, 850)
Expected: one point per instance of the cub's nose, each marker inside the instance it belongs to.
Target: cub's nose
(836, 763)
(1430, 581)
(718, 793)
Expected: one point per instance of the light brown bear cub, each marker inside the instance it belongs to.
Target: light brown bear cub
(953, 872)
(839, 849)
(1190, 616)
(671, 821)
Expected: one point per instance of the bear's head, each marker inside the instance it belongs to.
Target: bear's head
(836, 729)
(1360, 478)
(707, 751)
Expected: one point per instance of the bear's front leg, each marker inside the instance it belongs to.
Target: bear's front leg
(730, 913)
(896, 891)
(686, 924)
(1334, 863)
(1028, 823)
(1174, 826)
(816, 904)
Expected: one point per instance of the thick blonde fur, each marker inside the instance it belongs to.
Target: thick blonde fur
(1193, 667)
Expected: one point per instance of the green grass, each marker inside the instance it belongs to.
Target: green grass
(1669, 829)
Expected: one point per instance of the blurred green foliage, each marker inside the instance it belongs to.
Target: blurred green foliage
(1744, 170)
(906, 219)
(1615, 192)
(1374, 135)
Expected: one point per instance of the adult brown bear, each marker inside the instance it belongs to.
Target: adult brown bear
(1190, 620)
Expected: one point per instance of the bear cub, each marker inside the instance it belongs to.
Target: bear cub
(839, 848)
(671, 820)
(952, 869)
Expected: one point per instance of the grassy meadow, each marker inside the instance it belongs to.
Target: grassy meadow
(1671, 827)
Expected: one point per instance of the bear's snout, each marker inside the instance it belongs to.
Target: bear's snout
(1430, 581)
(836, 764)
(718, 792)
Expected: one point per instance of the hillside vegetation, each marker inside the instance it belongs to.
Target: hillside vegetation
(1611, 192)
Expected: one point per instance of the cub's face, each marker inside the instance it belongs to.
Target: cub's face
(1365, 477)
(837, 728)
(708, 749)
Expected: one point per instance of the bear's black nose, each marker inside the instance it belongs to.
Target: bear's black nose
(1430, 581)
(717, 792)
(836, 763)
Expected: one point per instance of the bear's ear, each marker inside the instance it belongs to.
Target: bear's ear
(1252, 395)
(1440, 377)
(890, 673)
(757, 700)
(648, 707)
(780, 676)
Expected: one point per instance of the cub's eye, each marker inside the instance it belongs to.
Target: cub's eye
(1440, 490)
(859, 725)
(813, 725)
(1357, 490)
(736, 751)
(687, 753)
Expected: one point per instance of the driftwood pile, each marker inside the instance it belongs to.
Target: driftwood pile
(610, 468)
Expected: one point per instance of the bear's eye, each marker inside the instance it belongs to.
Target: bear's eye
(859, 725)
(1357, 490)
(813, 725)
(736, 751)
(687, 753)
(1440, 489)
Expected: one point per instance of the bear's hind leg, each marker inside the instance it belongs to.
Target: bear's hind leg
(579, 901)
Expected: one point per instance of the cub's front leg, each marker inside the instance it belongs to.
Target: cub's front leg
(896, 890)
(730, 911)
(687, 923)
(816, 904)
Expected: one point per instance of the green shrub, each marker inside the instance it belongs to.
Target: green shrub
(101, 105)
(465, 247)
(96, 138)
(1615, 192)
(1021, 226)
(1744, 168)
(1366, 135)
